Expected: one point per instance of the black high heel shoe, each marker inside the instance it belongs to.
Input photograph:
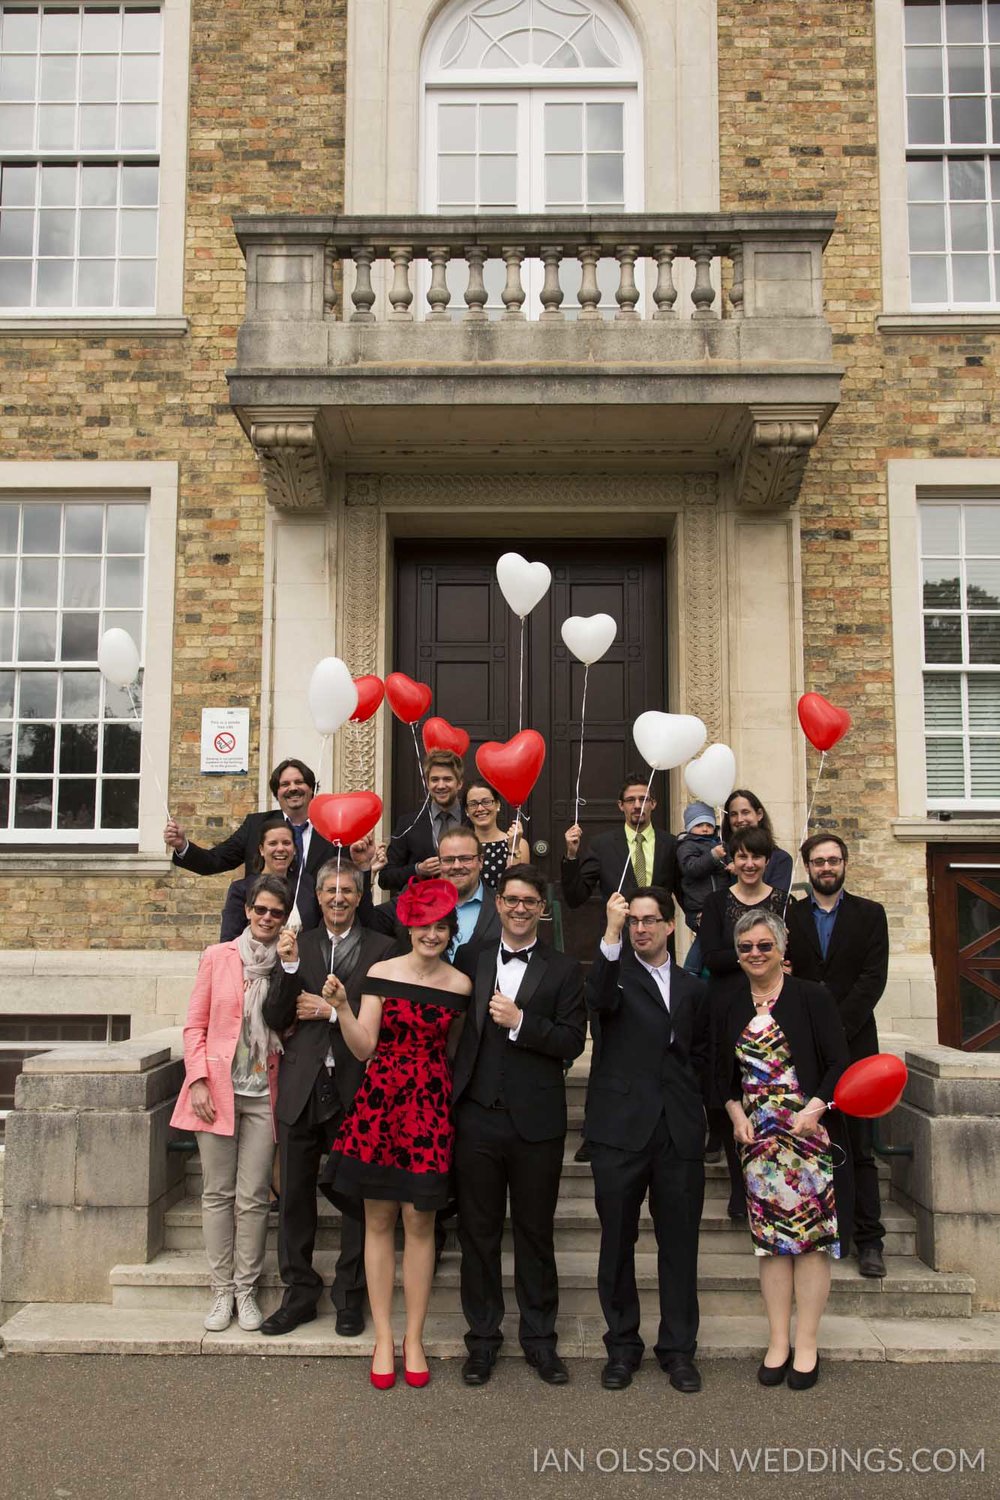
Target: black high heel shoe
(775, 1374)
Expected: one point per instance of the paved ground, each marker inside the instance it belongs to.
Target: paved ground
(114, 1428)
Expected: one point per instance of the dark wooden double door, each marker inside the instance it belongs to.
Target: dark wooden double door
(454, 631)
(965, 911)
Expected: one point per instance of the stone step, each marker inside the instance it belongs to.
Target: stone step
(89, 1328)
(728, 1285)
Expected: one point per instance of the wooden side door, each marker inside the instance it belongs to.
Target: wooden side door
(965, 935)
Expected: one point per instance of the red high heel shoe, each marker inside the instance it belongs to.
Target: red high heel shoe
(417, 1378)
(383, 1382)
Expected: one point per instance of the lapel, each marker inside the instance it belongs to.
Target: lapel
(807, 923)
(485, 975)
(647, 986)
(841, 925)
(234, 969)
(534, 974)
(487, 913)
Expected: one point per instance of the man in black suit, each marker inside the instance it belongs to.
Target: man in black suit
(317, 1081)
(460, 856)
(413, 848)
(646, 855)
(842, 941)
(526, 1019)
(646, 1128)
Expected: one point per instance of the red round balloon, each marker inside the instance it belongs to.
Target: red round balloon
(822, 723)
(371, 691)
(513, 768)
(438, 734)
(407, 699)
(871, 1087)
(343, 817)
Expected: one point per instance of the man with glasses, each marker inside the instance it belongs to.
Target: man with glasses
(646, 1129)
(460, 860)
(842, 940)
(643, 854)
(526, 1018)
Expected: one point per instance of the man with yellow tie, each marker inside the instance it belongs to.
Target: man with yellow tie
(646, 855)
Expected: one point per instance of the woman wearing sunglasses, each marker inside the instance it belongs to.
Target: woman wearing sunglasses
(230, 1087)
(781, 1050)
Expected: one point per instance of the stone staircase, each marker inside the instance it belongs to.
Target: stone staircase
(914, 1313)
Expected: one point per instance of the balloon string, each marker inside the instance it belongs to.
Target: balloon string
(645, 799)
(143, 746)
(427, 797)
(583, 717)
(514, 829)
(805, 831)
(520, 690)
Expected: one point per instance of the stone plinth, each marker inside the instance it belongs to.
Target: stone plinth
(87, 1176)
(950, 1115)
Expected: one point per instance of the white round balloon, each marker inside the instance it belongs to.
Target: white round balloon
(332, 694)
(522, 583)
(712, 776)
(118, 657)
(667, 740)
(589, 636)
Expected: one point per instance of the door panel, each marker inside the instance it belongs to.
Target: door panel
(965, 886)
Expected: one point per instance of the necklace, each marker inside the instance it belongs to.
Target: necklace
(764, 1002)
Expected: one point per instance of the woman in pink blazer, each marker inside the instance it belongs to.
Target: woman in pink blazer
(228, 1098)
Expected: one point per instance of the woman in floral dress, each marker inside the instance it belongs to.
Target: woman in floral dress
(782, 1049)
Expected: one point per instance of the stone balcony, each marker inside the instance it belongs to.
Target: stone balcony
(689, 342)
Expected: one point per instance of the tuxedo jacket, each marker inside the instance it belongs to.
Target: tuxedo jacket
(855, 967)
(409, 847)
(600, 867)
(307, 1046)
(240, 848)
(650, 1062)
(552, 1032)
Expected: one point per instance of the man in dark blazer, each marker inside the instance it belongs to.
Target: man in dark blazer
(646, 1128)
(646, 855)
(317, 1080)
(842, 941)
(461, 861)
(526, 1020)
(413, 847)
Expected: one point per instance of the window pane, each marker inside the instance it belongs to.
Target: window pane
(940, 530)
(927, 227)
(56, 127)
(17, 232)
(136, 283)
(99, 80)
(39, 692)
(84, 528)
(123, 583)
(19, 31)
(117, 704)
(17, 79)
(945, 769)
(563, 181)
(127, 528)
(967, 179)
(984, 701)
(6, 695)
(982, 529)
(928, 278)
(140, 186)
(138, 127)
(121, 747)
(98, 123)
(942, 586)
(6, 748)
(39, 581)
(138, 233)
(925, 181)
(457, 179)
(77, 804)
(497, 179)
(81, 697)
(984, 758)
(605, 179)
(563, 127)
(965, 70)
(60, 30)
(36, 747)
(57, 78)
(943, 701)
(984, 640)
(968, 226)
(9, 517)
(972, 278)
(6, 636)
(37, 637)
(497, 127)
(922, 23)
(924, 74)
(141, 31)
(983, 584)
(963, 21)
(925, 121)
(121, 619)
(605, 127)
(119, 804)
(55, 283)
(56, 231)
(33, 804)
(141, 78)
(41, 528)
(942, 638)
(8, 576)
(96, 284)
(80, 637)
(77, 748)
(17, 123)
(457, 127)
(99, 186)
(968, 120)
(82, 583)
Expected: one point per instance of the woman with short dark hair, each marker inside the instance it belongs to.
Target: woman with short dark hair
(744, 809)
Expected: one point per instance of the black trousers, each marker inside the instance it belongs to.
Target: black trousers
(676, 1190)
(490, 1158)
(868, 1226)
(300, 1147)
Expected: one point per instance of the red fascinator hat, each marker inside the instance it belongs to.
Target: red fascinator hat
(426, 901)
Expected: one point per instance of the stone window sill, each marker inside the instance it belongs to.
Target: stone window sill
(980, 830)
(32, 862)
(85, 327)
(939, 322)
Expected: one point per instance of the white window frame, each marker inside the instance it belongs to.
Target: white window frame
(156, 483)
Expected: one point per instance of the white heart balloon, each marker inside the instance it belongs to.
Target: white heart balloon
(589, 636)
(118, 657)
(332, 694)
(522, 583)
(667, 740)
(712, 776)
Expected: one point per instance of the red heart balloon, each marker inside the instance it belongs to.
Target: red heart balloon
(371, 691)
(513, 768)
(407, 699)
(822, 724)
(438, 734)
(871, 1087)
(343, 817)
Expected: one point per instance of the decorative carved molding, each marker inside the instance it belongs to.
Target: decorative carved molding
(773, 457)
(297, 473)
(360, 619)
(699, 606)
(520, 491)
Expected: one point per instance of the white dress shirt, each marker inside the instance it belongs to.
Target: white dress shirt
(661, 976)
(508, 981)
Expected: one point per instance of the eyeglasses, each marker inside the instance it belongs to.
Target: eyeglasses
(764, 947)
(511, 903)
(458, 859)
(833, 861)
(644, 921)
(276, 913)
(480, 804)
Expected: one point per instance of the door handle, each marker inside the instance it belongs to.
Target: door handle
(541, 848)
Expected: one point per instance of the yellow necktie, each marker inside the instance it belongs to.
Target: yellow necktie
(639, 860)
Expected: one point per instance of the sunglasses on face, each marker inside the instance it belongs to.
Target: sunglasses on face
(275, 913)
(764, 947)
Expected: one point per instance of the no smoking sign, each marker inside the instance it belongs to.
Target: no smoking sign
(225, 741)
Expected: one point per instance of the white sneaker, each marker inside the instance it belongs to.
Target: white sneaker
(250, 1315)
(220, 1314)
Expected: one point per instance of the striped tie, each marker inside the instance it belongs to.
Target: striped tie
(639, 860)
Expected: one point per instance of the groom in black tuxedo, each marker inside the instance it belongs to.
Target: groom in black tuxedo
(527, 1019)
(646, 1129)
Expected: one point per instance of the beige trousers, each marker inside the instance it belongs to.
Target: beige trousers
(236, 1172)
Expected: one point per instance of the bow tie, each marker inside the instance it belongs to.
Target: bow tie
(522, 953)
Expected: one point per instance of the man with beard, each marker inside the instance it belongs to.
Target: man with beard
(842, 940)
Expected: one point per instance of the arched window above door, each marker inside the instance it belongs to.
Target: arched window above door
(532, 38)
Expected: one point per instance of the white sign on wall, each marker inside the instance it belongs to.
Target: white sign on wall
(225, 741)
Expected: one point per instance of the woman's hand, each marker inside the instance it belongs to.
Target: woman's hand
(201, 1101)
(310, 1007)
(807, 1119)
(742, 1129)
(288, 946)
(334, 993)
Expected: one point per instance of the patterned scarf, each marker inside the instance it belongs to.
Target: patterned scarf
(258, 961)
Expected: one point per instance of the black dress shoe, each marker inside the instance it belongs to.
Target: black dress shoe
(683, 1373)
(775, 1374)
(478, 1367)
(287, 1318)
(582, 1152)
(870, 1262)
(616, 1375)
(802, 1380)
(549, 1366)
(350, 1321)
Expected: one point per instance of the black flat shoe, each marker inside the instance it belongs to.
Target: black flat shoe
(616, 1375)
(775, 1374)
(478, 1367)
(802, 1380)
(549, 1366)
(286, 1319)
(683, 1374)
(582, 1152)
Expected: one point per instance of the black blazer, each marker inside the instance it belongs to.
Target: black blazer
(808, 1016)
(408, 847)
(650, 1063)
(855, 967)
(240, 848)
(600, 868)
(553, 1031)
(306, 1048)
(718, 952)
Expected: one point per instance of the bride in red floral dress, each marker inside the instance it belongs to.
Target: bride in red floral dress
(393, 1152)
